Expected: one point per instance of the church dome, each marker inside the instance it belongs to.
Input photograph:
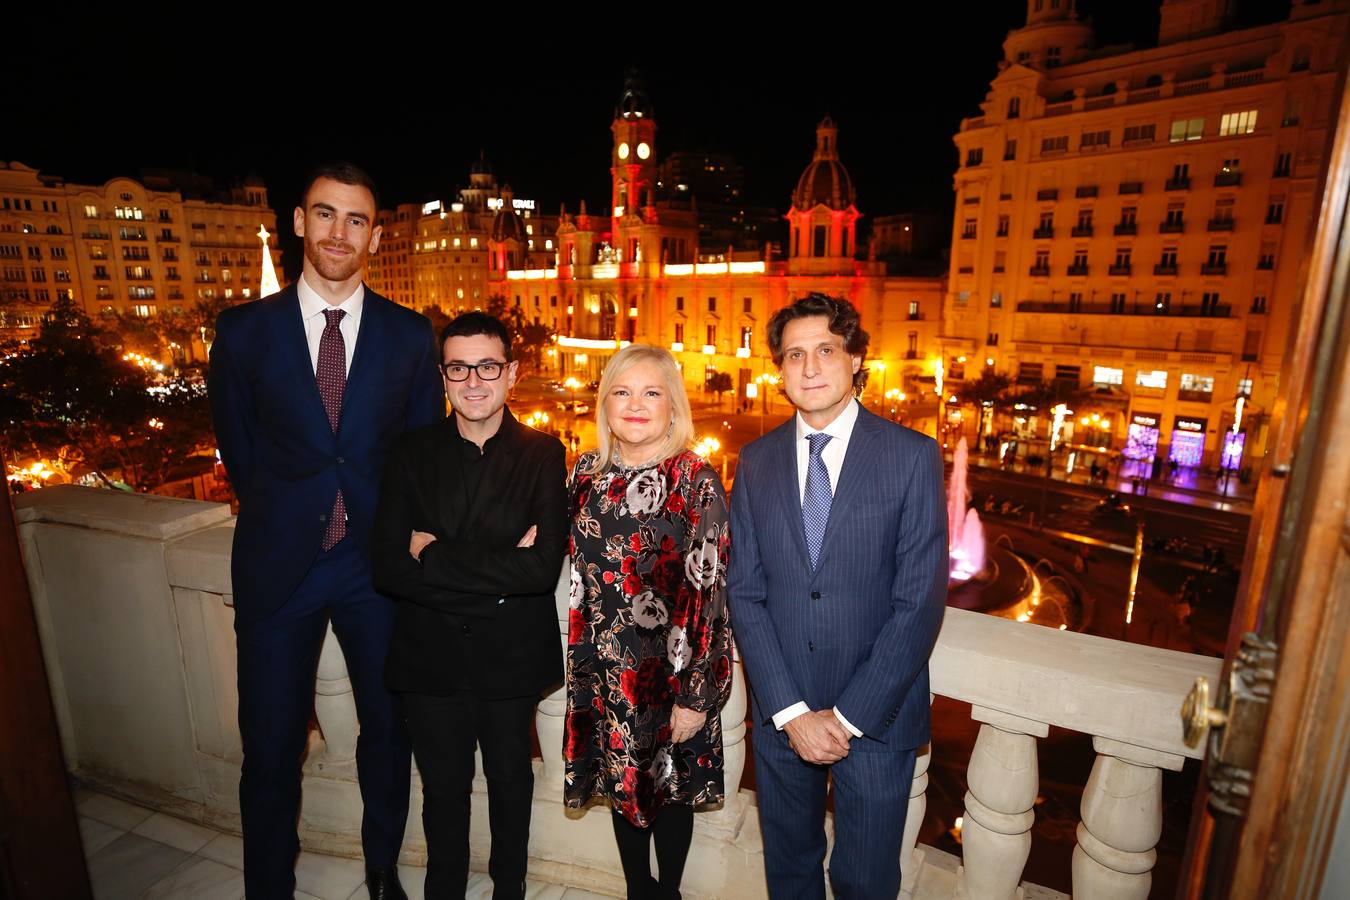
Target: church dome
(825, 180)
(480, 165)
(508, 225)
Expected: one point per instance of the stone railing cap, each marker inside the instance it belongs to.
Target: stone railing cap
(99, 509)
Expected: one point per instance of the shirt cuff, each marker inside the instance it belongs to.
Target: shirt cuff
(846, 723)
(784, 716)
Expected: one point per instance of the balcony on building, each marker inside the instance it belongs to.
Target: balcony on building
(1165, 269)
(1134, 308)
(1227, 178)
(1078, 270)
(1039, 271)
(141, 656)
(1085, 190)
(1044, 233)
(1177, 227)
(1125, 228)
(911, 354)
(1131, 187)
(1081, 231)
(1222, 223)
(1047, 194)
(1119, 270)
(1195, 396)
(168, 237)
(1218, 268)
(1178, 184)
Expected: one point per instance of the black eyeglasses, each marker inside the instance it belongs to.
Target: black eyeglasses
(488, 371)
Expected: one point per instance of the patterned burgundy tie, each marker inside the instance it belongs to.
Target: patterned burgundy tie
(332, 377)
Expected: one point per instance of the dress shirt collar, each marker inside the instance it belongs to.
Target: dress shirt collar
(839, 429)
(311, 304)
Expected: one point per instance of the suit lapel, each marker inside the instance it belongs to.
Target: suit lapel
(859, 460)
(369, 344)
(784, 460)
(294, 351)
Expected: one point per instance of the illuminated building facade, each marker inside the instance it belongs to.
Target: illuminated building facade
(437, 254)
(147, 248)
(638, 273)
(1129, 224)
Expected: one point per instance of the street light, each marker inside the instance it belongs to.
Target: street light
(768, 378)
(896, 397)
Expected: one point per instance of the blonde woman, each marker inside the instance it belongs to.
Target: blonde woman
(648, 657)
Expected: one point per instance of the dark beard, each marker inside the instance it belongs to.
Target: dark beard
(330, 269)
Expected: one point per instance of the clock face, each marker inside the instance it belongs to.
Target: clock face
(643, 150)
(623, 151)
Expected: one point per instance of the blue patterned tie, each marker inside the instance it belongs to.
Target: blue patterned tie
(816, 500)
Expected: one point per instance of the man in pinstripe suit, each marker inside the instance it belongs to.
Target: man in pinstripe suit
(837, 585)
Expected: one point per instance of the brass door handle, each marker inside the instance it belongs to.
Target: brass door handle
(1197, 716)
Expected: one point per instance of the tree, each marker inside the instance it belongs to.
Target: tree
(438, 319)
(71, 399)
(719, 383)
(990, 388)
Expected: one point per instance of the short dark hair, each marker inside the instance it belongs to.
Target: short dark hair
(476, 322)
(345, 173)
(843, 320)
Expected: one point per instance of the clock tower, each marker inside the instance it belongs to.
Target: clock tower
(633, 159)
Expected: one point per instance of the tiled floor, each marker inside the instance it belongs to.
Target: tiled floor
(138, 853)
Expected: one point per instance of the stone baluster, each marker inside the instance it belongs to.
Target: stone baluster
(334, 703)
(733, 743)
(911, 857)
(1122, 820)
(548, 718)
(1002, 781)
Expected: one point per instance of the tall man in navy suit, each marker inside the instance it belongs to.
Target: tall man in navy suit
(837, 586)
(308, 389)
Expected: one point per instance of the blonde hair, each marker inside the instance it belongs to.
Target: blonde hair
(681, 433)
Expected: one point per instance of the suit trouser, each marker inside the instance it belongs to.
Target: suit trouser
(444, 731)
(871, 794)
(278, 657)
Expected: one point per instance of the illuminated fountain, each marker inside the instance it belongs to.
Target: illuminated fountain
(964, 531)
(994, 579)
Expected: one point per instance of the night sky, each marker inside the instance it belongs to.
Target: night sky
(416, 107)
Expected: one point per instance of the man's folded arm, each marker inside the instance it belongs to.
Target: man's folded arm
(773, 684)
(918, 599)
(482, 568)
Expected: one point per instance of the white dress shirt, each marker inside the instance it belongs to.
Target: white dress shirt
(312, 308)
(833, 456)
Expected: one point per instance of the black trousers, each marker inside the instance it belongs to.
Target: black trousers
(444, 731)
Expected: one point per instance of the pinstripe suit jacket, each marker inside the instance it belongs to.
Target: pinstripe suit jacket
(856, 632)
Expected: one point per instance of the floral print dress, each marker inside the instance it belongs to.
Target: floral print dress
(648, 629)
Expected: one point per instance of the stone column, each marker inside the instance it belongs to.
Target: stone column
(334, 703)
(1122, 820)
(911, 858)
(1002, 781)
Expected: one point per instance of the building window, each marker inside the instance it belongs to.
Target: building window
(914, 309)
(1094, 139)
(996, 300)
(679, 332)
(1156, 379)
(712, 336)
(1283, 163)
(1186, 130)
(1014, 107)
(1197, 383)
(1275, 211)
(712, 304)
(1002, 227)
(1118, 303)
(1059, 144)
(91, 212)
(1176, 213)
(912, 349)
(991, 339)
(679, 304)
(975, 156)
(1244, 387)
(968, 230)
(818, 237)
(1009, 150)
(747, 333)
(1029, 372)
(1237, 123)
(1051, 57)
(747, 305)
(1140, 134)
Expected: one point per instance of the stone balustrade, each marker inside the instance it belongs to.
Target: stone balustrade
(132, 595)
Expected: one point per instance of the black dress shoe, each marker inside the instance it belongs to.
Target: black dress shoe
(383, 884)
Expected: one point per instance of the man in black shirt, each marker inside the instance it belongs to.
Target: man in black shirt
(469, 538)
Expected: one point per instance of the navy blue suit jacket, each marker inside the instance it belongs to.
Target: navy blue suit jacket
(856, 632)
(284, 460)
